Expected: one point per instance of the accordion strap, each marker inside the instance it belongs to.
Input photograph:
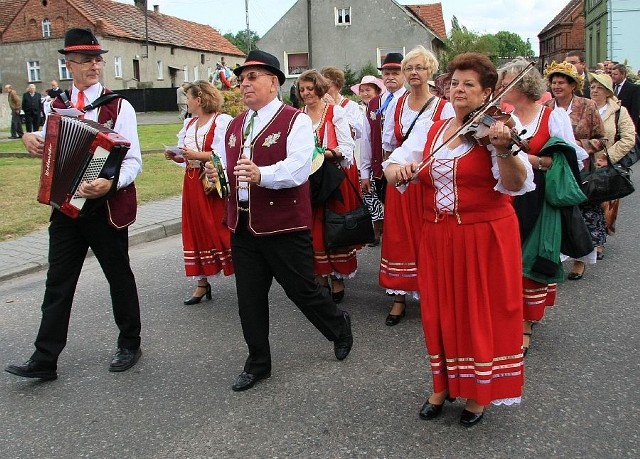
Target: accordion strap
(102, 100)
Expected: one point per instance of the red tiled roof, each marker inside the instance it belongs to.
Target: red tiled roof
(431, 16)
(119, 20)
(563, 16)
(9, 9)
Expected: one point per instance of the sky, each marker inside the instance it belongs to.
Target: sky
(523, 17)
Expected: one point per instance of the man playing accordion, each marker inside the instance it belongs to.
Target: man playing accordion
(104, 229)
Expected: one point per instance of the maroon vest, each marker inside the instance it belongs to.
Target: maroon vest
(375, 123)
(270, 211)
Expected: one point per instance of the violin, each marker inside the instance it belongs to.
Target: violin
(478, 129)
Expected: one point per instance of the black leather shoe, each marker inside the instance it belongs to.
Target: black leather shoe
(342, 346)
(470, 419)
(33, 369)
(197, 299)
(431, 411)
(124, 359)
(246, 381)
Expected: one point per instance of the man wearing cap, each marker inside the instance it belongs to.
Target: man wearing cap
(269, 149)
(70, 239)
(371, 154)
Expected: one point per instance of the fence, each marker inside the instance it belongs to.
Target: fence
(151, 99)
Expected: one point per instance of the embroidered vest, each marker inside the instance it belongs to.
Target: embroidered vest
(541, 134)
(474, 199)
(107, 113)
(270, 211)
(375, 124)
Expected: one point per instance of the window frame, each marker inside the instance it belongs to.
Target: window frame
(117, 67)
(346, 11)
(63, 71)
(286, 63)
(46, 28)
(160, 70)
(33, 69)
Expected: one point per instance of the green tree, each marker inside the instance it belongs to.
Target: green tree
(499, 47)
(239, 39)
(368, 69)
(350, 78)
(510, 45)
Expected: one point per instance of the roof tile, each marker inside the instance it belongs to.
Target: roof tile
(431, 16)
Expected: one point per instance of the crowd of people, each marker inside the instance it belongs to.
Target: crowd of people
(28, 110)
(442, 185)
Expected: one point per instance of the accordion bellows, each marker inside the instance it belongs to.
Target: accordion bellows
(76, 151)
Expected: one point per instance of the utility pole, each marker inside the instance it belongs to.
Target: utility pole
(246, 8)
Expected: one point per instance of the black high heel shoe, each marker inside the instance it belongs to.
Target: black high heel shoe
(337, 296)
(431, 411)
(394, 319)
(197, 299)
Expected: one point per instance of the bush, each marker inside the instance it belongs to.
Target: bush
(233, 104)
(368, 69)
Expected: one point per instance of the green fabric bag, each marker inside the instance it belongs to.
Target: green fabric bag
(561, 187)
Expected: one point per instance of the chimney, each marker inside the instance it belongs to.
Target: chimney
(142, 4)
(156, 8)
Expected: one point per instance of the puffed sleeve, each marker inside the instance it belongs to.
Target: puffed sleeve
(343, 135)
(560, 126)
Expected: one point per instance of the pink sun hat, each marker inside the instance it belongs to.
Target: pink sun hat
(368, 79)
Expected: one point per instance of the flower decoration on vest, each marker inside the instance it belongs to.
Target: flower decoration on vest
(372, 115)
(109, 124)
(271, 139)
(232, 140)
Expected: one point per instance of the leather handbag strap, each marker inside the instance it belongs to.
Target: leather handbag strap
(424, 107)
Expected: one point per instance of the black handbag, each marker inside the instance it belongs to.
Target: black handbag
(576, 239)
(632, 157)
(348, 229)
(606, 183)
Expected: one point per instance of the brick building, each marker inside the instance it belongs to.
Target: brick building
(563, 34)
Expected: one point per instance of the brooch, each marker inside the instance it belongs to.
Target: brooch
(109, 124)
(271, 139)
(372, 115)
(232, 140)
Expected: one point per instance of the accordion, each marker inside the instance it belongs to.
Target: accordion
(75, 151)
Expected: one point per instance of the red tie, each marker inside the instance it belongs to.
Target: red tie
(80, 104)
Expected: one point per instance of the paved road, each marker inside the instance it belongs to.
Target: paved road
(581, 394)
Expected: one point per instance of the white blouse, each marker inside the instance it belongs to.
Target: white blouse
(343, 135)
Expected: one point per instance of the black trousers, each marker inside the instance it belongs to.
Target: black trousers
(69, 241)
(288, 258)
(32, 121)
(16, 125)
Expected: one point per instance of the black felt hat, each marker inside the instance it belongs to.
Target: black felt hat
(258, 58)
(392, 61)
(81, 41)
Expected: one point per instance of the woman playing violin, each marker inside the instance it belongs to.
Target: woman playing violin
(539, 124)
(470, 279)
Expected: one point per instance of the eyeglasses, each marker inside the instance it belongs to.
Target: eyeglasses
(417, 68)
(90, 61)
(252, 76)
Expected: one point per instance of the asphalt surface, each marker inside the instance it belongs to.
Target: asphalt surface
(580, 397)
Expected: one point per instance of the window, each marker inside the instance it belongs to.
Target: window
(196, 74)
(185, 71)
(33, 69)
(343, 16)
(117, 67)
(296, 63)
(160, 70)
(382, 53)
(63, 71)
(136, 69)
(202, 59)
(46, 28)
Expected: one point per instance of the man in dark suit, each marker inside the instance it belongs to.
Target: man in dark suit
(627, 92)
(577, 59)
(269, 149)
(31, 106)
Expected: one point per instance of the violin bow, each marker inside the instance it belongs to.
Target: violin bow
(479, 112)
